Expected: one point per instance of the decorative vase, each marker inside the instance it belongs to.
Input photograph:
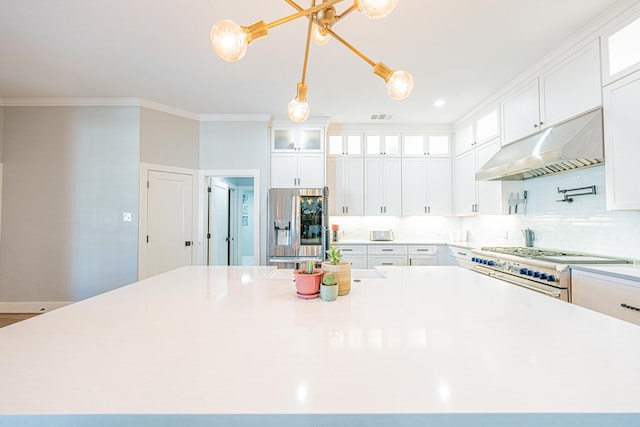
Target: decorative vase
(329, 292)
(342, 272)
(308, 285)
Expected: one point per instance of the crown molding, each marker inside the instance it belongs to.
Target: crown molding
(235, 117)
(96, 102)
(70, 102)
(169, 110)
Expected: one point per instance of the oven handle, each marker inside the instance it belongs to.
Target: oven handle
(554, 294)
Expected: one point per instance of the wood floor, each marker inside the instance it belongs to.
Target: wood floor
(7, 319)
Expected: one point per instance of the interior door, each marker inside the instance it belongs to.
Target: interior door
(169, 221)
(219, 241)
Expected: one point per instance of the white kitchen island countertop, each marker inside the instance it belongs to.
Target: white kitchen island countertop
(437, 346)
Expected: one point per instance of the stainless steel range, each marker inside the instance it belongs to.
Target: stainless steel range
(541, 270)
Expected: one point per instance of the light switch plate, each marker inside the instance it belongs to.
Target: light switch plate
(126, 216)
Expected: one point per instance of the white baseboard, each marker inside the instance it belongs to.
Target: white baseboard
(30, 307)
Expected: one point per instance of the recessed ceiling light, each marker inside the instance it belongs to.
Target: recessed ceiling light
(439, 103)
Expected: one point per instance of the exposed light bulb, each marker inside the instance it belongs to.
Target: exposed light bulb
(376, 8)
(298, 111)
(319, 36)
(229, 40)
(400, 85)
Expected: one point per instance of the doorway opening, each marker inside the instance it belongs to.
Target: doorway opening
(231, 220)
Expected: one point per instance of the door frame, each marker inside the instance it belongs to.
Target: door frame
(201, 211)
(145, 168)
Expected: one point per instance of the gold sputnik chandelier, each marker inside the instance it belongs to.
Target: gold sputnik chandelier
(230, 41)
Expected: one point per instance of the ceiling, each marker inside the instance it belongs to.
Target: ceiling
(458, 50)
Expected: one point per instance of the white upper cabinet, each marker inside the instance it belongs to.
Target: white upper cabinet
(383, 180)
(376, 145)
(423, 145)
(570, 87)
(297, 157)
(621, 50)
(621, 137)
(345, 179)
(573, 86)
(521, 113)
(426, 186)
(345, 145)
(297, 139)
(483, 128)
(464, 138)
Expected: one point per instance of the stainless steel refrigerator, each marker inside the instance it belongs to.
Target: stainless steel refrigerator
(297, 226)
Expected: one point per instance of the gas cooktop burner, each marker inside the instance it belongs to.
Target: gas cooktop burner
(527, 252)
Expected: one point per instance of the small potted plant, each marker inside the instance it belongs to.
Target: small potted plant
(329, 287)
(308, 281)
(341, 269)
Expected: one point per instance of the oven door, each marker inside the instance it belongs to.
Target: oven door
(549, 291)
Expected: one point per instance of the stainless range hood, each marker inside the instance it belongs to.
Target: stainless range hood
(574, 144)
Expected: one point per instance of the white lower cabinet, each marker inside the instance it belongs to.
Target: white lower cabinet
(609, 295)
(386, 255)
(355, 254)
(460, 257)
(422, 255)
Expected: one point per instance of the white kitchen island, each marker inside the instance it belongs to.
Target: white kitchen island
(436, 346)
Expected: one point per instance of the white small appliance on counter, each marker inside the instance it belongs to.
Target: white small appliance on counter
(381, 235)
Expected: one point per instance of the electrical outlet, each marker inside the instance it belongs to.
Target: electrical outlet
(126, 216)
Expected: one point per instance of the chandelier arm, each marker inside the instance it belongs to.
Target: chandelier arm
(301, 13)
(351, 47)
(306, 51)
(353, 7)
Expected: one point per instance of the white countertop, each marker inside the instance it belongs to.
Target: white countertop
(420, 342)
(623, 271)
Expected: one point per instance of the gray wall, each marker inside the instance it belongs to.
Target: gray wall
(239, 145)
(69, 174)
(1, 129)
(168, 140)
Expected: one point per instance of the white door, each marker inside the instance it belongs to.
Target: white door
(219, 224)
(439, 186)
(169, 221)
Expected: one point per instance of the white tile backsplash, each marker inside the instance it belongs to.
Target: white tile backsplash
(426, 229)
(583, 226)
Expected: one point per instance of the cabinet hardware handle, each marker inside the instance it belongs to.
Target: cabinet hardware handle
(629, 307)
(535, 126)
(423, 250)
(429, 209)
(541, 123)
(347, 209)
(347, 250)
(462, 253)
(387, 250)
(387, 263)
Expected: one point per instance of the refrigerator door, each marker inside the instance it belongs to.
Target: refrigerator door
(297, 225)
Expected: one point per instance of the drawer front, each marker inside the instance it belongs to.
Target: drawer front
(387, 250)
(417, 260)
(357, 261)
(386, 260)
(460, 253)
(616, 297)
(352, 250)
(423, 250)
